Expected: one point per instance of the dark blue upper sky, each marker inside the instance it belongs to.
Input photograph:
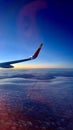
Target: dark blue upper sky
(24, 24)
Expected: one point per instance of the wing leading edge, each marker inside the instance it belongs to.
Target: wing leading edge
(9, 64)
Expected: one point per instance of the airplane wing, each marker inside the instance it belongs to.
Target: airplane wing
(9, 63)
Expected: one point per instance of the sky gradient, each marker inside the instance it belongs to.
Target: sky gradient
(25, 24)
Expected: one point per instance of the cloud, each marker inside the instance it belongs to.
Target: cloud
(30, 77)
(47, 93)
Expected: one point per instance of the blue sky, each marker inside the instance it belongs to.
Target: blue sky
(25, 24)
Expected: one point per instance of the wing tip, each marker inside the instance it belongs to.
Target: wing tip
(37, 51)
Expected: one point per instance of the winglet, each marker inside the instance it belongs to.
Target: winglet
(37, 52)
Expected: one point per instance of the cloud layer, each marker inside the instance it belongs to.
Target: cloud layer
(43, 92)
